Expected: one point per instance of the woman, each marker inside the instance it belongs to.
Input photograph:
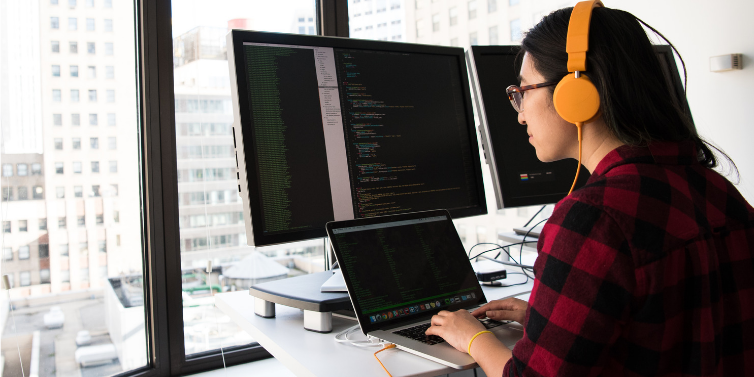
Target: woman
(647, 269)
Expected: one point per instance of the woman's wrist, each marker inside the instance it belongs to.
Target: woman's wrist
(490, 354)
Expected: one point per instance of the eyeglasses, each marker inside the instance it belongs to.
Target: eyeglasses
(516, 94)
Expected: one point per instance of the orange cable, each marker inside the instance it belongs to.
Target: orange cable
(578, 168)
(387, 346)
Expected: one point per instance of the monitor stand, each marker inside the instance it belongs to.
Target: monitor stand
(335, 283)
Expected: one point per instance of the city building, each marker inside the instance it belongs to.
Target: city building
(383, 20)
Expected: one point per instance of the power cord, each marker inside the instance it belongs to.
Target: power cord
(342, 337)
(387, 347)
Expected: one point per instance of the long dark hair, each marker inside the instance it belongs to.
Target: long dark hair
(637, 104)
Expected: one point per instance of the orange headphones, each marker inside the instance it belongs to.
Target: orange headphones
(576, 99)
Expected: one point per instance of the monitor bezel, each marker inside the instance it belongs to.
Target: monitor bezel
(239, 94)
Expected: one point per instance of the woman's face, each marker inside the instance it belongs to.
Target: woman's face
(552, 137)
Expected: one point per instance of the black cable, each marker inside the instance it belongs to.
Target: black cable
(535, 215)
(521, 249)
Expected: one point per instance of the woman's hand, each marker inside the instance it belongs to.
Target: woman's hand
(457, 328)
(509, 309)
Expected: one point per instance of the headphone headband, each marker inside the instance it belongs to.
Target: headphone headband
(578, 34)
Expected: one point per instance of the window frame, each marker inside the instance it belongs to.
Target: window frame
(159, 178)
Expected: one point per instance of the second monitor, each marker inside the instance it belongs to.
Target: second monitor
(336, 129)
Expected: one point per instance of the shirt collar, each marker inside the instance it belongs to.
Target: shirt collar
(658, 152)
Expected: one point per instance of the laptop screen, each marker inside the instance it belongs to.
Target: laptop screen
(401, 267)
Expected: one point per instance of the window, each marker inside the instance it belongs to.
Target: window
(454, 42)
(84, 274)
(90, 48)
(113, 190)
(6, 226)
(302, 29)
(58, 143)
(516, 30)
(23, 193)
(76, 143)
(54, 23)
(81, 221)
(24, 278)
(493, 35)
(23, 226)
(92, 72)
(89, 24)
(419, 28)
(95, 166)
(65, 276)
(93, 121)
(453, 15)
(74, 71)
(61, 224)
(75, 119)
(57, 119)
(55, 71)
(473, 39)
(7, 253)
(63, 249)
(92, 95)
(7, 170)
(58, 168)
(108, 3)
(7, 194)
(76, 167)
(111, 143)
(491, 6)
(99, 219)
(435, 22)
(108, 24)
(110, 95)
(95, 191)
(78, 192)
(44, 250)
(513, 2)
(22, 169)
(44, 276)
(102, 246)
(23, 252)
(116, 216)
(55, 46)
(74, 95)
(90, 3)
(60, 192)
(109, 72)
(56, 95)
(73, 47)
(117, 240)
(37, 192)
(72, 3)
(111, 119)
(113, 166)
(108, 48)
(472, 9)
(36, 169)
(43, 223)
(94, 143)
(72, 23)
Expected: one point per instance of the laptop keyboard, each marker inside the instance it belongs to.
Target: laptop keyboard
(418, 332)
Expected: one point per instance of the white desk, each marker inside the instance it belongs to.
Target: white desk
(308, 353)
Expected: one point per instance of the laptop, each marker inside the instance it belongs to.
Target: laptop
(400, 270)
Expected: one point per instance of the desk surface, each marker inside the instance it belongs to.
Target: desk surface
(308, 353)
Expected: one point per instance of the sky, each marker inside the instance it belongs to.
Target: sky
(267, 15)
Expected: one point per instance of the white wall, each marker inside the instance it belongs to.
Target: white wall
(722, 104)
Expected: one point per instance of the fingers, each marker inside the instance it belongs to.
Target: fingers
(501, 315)
(436, 320)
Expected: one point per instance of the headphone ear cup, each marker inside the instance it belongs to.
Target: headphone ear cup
(576, 99)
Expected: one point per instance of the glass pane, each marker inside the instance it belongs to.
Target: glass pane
(211, 220)
(77, 297)
(457, 23)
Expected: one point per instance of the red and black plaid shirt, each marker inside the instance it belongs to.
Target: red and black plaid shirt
(648, 270)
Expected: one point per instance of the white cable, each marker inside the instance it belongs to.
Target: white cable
(356, 343)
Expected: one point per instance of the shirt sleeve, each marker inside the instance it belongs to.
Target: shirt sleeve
(584, 278)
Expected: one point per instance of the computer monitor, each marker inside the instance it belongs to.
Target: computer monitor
(518, 177)
(335, 129)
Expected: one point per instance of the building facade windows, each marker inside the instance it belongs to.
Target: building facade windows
(78, 191)
(111, 119)
(43, 224)
(23, 226)
(7, 170)
(56, 97)
(90, 48)
(73, 23)
(92, 95)
(58, 143)
(55, 70)
(7, 254)
(55, 46)
(23, 193)
(74, 95)
(44, 251)
(73, 47)
(92, 72)
(109, 49)
(37, 193)
(58, 168)
(24, 279)
(453, 16)
(473, 40)
(54, 23)
(76, 143)
(94, 143)
(74, 71)
(89, 24)
(23, 252)
(472, 9)
(22, 169)
(6, 227)
(76, 166)
(93, 119)
(491, 6)
(493, 35)
(44, 276)
(112, 143)
(62, 224)
(95, 166)
(36, 169)
(60, 192)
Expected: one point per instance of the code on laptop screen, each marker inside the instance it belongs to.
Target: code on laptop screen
(405, 267)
